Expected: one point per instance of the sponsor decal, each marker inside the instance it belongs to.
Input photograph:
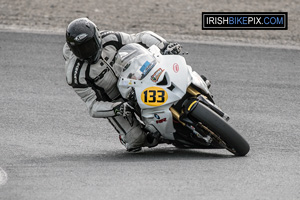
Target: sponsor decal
(175, 67)
(126, 82)
(157, 74)
(161, 121)
(156, 116)
(148, 68)
(154, 96)
(145, 65)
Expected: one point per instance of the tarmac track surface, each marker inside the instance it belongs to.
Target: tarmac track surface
(51, 148)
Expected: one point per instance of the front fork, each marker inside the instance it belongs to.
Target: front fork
(188, 106)
(185, 121)
(206, 100)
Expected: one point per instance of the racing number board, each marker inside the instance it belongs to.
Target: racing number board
(154, 96)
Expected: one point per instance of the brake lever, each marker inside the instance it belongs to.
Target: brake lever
(184, 53)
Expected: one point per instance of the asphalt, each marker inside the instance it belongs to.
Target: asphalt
(52, 149)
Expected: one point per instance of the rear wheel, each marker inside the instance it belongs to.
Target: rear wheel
(220, 130)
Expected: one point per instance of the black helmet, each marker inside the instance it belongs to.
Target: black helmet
(84, 40)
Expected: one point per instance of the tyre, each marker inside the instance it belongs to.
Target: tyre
(234, 141)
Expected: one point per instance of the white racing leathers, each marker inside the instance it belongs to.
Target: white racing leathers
(96, 84)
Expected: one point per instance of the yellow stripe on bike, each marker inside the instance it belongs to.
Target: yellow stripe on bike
(192, 105)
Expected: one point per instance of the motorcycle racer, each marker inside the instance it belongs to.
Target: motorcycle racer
(89, 63)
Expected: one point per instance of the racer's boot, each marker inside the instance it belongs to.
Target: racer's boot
(128, 147)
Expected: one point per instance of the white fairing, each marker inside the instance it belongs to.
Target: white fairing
(199, 82)
(158, 80)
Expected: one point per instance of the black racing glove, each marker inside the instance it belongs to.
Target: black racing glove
(172, 48)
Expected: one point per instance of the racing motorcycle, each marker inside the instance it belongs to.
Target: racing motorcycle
(173, 103)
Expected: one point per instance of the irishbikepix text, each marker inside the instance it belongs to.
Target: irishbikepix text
(238, 20)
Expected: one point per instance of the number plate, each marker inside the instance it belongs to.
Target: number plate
(154, 96)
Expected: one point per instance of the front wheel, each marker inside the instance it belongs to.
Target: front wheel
(221, 131)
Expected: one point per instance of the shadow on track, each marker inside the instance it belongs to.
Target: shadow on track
(157, 154)
(147, 155)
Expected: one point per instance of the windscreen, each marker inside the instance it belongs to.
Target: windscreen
(136, 61)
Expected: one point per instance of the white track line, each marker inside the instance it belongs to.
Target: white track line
(3, 177)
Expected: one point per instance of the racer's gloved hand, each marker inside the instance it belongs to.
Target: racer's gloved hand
(173, 48)
(123, 109)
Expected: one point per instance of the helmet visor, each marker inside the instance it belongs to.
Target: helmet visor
(87, 49)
